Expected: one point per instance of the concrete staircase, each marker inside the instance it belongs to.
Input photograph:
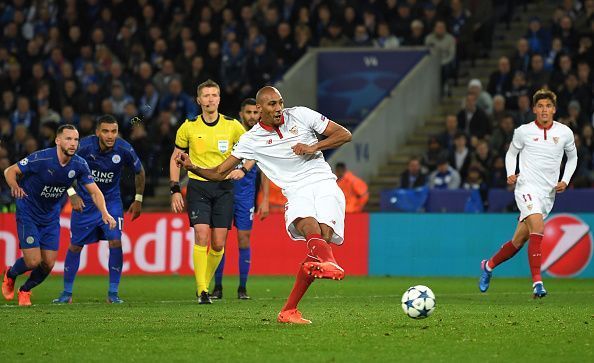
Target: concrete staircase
(504, 43)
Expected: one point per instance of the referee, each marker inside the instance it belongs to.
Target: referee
(208, 139)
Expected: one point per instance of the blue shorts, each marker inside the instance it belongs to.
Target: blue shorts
(243, 213)
(33, 235)
(88, 227)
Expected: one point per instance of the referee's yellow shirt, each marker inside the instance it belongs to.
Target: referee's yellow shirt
(208, 144)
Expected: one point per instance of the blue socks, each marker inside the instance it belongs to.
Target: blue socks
(71, 265)
(37, 276)
(116, 261)
(245, 255)
(18, 268)
(219, 272)
(244, 265)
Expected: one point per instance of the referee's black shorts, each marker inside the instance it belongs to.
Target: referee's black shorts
(210, 202)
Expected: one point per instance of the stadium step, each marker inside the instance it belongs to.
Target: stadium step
(504, 43)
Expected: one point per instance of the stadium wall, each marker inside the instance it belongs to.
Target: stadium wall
(455, 244)
(389, 125)
(381, 244)
(161, 243)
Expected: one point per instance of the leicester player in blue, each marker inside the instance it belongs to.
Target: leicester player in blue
(107, 155)
(244, 190)
(44, 177)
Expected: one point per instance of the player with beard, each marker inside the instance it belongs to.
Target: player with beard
(106, 154)
(285, 146)
(44, 177)
(244, 191)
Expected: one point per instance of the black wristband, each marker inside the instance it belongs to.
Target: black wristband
(245, 171)
(175, 188)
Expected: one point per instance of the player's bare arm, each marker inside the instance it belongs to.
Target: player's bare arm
(139, 182)
(264, 207)
(99, 201)
(10, 174)
(217, 173)
(177, 201)
(336, 135)
(240, 173)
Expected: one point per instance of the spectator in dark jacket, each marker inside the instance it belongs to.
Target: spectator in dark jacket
(413, 176)
(472, 120)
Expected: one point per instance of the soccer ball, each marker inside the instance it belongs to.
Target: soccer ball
(418, 302)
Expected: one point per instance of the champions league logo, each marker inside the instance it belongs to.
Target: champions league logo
(24, 162)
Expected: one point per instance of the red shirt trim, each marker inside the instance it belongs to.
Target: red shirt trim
(274, 128)
(543, 128)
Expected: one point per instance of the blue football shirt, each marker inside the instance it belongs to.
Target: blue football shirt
(45, 181)
(106, 167)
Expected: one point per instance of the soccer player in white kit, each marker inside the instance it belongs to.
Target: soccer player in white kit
(541, 145)
(286, 148)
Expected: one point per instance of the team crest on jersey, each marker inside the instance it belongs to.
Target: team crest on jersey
(116, 159)
(30, 240)
(71, 174)
(223, 145)
(24, 162)
(529, 206)
(294, 130)
(555, 140)
(269, 141)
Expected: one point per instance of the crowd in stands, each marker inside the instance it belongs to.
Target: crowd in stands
(555, 53)
(69, 61)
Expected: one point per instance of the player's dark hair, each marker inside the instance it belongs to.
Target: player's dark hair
(544, 94)
(248, 101)
(65, 127)
(207, 83)
(106, 119)
(340, 165)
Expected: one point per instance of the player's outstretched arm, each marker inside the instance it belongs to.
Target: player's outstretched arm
(99, 201)
(10, 174)
(177, 200)
(336, 135)
(139, 182)
(218, 173)
(264, 207)
(240, 173)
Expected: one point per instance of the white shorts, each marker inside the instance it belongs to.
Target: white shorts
(529, 204)
(323, 201)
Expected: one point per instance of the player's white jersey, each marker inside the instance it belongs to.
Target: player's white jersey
(271, 148)
(541, 152)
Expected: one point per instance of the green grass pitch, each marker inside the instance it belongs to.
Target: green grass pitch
(358, 319)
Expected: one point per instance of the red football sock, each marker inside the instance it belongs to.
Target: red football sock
(302, 283)
(320, 249)
(534, 256)
(507, 251)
